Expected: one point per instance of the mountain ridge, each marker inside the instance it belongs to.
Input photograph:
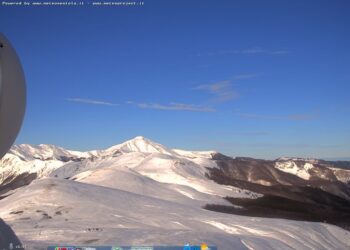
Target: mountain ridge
(43, 159)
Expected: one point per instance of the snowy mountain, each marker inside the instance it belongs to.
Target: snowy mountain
(137, 156)
(287, 172)
(141, 192)
(313, 168)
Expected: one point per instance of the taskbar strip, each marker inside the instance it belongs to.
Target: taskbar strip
(183, 247)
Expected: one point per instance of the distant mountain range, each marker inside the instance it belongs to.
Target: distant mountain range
(346, 159)
(140, 192)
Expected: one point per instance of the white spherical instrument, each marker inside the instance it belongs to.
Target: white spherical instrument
(12, 95)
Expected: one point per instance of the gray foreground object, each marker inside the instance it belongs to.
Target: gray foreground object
(12, 95)
(12, 108)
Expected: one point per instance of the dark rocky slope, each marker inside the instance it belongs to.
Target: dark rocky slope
(285, 195)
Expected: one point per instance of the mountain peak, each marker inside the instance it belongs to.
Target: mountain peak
(139, 137)
(140, 144)
(141, 140)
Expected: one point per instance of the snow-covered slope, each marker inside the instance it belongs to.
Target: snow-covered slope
(41, 160)
(51, 211)
(145, 157)
(141, 192)
(45, 152)
(312, 168)
(342, 175)
(292, 168)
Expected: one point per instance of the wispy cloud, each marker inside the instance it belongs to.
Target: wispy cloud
(244, 76)
(294, 117)
(90, 101)
(263, 51)
(174, 107)
(222, 91)
(249, 51)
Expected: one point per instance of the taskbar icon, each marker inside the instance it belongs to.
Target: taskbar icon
(203, 246)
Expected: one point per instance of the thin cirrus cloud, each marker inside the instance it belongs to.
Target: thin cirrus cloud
(250, 51)
(91, 101)
(245, 76)
(222, 91)
(173, 107)
(295, 117)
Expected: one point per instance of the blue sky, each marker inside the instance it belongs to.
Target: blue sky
(247, 78)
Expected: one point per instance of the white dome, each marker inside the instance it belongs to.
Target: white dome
(12, 95)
